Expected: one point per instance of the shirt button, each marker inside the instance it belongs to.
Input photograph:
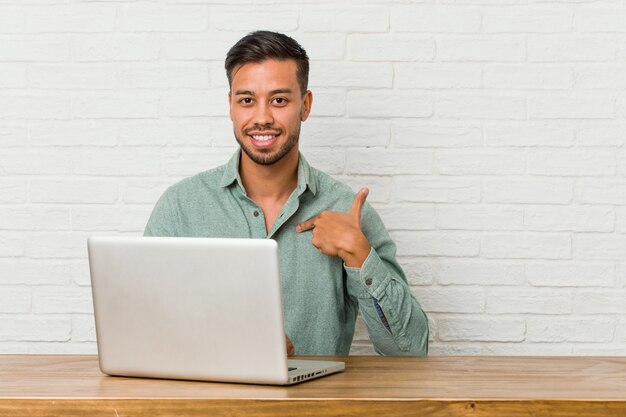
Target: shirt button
(368, 282)
(256, 213)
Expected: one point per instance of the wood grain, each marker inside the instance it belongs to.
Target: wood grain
(56, 385)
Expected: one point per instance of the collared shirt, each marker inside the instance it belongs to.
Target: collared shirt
(321, 296)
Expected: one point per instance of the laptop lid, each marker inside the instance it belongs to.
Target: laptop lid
(189, 308)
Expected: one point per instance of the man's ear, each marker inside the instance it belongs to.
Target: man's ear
(230, 104)
(306, 105)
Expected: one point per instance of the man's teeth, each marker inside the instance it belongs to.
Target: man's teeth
(263, 137)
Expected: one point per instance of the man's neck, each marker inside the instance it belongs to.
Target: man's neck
(273, 182)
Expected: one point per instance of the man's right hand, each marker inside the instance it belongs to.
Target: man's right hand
(290, 349)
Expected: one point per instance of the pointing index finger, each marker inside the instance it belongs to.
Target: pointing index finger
(306, 225)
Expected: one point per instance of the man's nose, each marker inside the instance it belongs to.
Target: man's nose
(263, 114)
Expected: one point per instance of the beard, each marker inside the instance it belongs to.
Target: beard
(266, 156)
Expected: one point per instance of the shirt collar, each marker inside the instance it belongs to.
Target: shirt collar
(306, 178)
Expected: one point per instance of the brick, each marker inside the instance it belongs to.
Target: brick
(453, 244)
(435, 190)
(331, 161)
(481, 49)
(481, 329)
(571, 107)
(31, 162)
(164, 132)
(380, 187)
(620, 331)
(601, 20)
(55, 300)
(34, 48)
(163, 18)
(11, 245)
(481, 107)
(31, 272)
(529, 134)
(527, 20)
(479, 217)
(598, 350)
(418, 272)
(323, 46)
(194, 47)
(532, 301)
(572, 163)
(80, 274)
(71, 18)
(526, 245)
(602, 192)
(601, 134)
(389, 162)
(11, 19)
(340, 74)
(342, 133)
(116, 47)
(568, 330)
(71, 76)
(599, 247)
(34, 106)
(56, 245)
(12, 76)
(222, 135)
(450, 272)
(191, 162)
(330, 103)
(117, 162)
(389, 104)
(83, 191)
(621, 162)
(570, 48)
(573, 219)
(238, 19)
(435, 19)
(74, 133)
(197, 103)
(83, 328)
(164, 76)
(65, 348)
(143, 191)
(438, 75)
(389, 48)
(479, 162)
(120, 219)
(528, 76)
(528, 191)
(526, 349)
(15, 299)
(12, 191)
(415, 135)
(451, 300)
(610, 77)
(344, 19)
(115, 105)
(568, 274)
(34, 218)
(13, 134)
(451, 348)
(608, 301)
(620, 219)
(34, 329)
(408, 217)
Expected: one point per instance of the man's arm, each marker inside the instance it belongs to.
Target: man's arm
(396, 323)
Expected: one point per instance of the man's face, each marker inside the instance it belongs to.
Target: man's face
(267, 108)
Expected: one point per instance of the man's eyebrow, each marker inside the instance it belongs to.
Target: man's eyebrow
(244, 92)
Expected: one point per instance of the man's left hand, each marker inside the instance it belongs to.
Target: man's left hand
(340, 234)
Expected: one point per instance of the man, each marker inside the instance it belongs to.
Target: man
(336, 257)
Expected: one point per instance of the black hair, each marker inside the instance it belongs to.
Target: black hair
(262, 45)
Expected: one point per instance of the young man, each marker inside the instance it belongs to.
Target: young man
(336, 257)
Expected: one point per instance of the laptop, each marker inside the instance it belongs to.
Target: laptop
(193, 308)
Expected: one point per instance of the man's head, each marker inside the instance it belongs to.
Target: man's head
(268, 98)
(262, 45)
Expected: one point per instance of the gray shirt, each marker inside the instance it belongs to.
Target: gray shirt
(321, 296)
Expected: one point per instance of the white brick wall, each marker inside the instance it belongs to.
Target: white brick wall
(491, 134)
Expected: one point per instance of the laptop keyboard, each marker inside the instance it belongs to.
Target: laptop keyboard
(291, 369)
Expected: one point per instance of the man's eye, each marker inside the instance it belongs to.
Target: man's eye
(246, 100)
(280, 100)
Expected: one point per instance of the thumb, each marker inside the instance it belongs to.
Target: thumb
(358, 202)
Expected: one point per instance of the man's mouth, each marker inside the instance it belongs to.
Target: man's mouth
(263, 139)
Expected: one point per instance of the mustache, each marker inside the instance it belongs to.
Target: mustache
(262, 128)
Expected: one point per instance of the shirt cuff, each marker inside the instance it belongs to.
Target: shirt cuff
(370, 280)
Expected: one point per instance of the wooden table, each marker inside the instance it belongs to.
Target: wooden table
(64, 385)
